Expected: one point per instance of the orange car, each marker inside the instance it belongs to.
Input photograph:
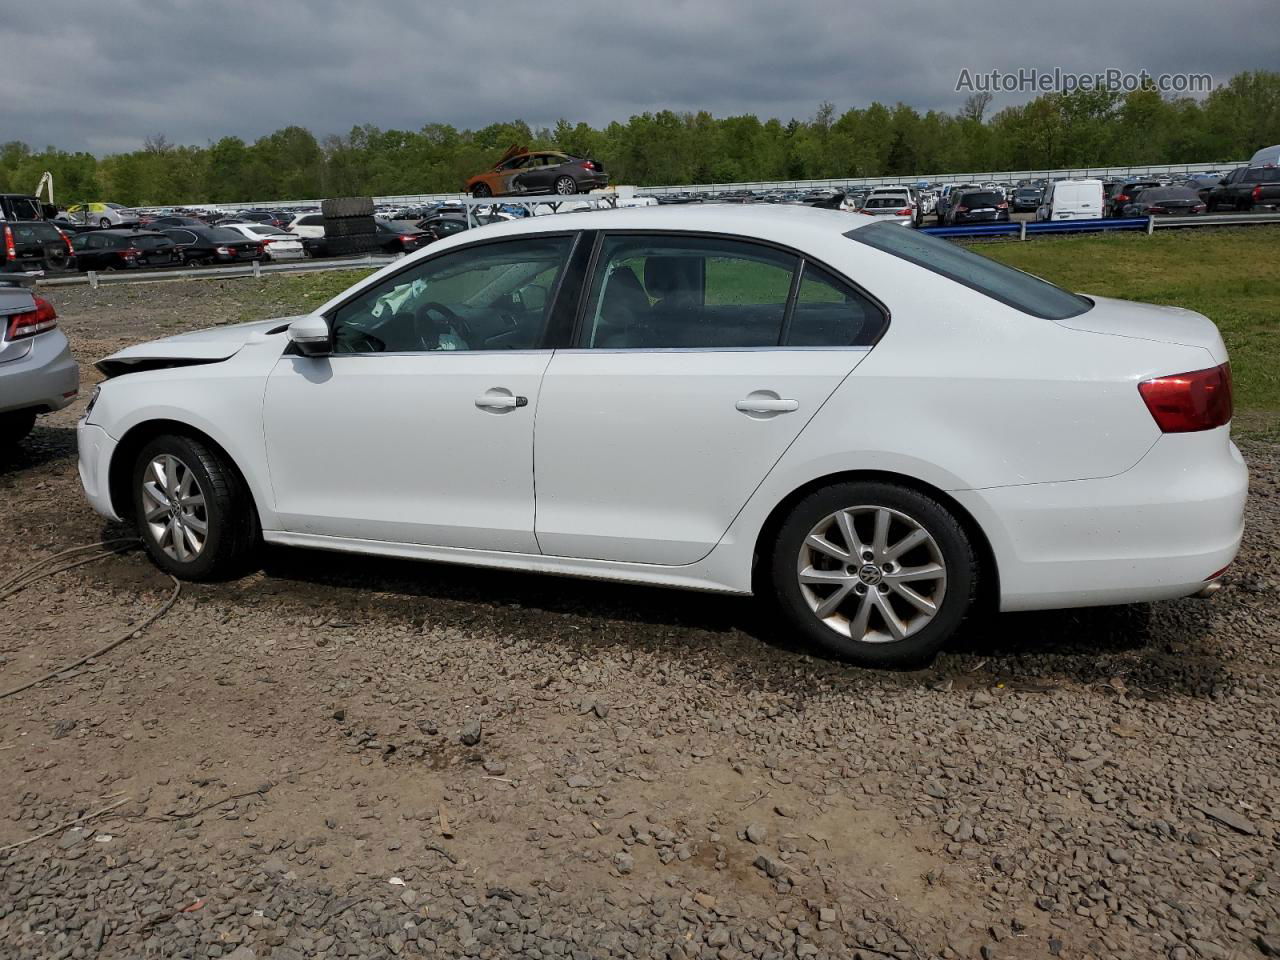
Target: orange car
(540, 171)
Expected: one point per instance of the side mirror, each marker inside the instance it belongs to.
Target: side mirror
(310, 335)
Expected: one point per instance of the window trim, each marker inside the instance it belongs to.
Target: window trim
(577, 341)
(546, 340)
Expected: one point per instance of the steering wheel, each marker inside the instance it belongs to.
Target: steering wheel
(459, 325)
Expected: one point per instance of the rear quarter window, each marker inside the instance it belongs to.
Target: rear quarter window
(1016, 289)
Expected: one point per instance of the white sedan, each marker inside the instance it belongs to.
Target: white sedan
(276, 243)
(870, 428)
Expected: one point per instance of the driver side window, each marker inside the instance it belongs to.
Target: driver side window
(492, 296)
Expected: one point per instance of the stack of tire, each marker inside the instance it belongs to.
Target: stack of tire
(349, 226)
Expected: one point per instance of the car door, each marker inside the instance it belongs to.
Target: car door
(419, 427)
(538, 173)
(698, 361)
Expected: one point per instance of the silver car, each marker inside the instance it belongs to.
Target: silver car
(896, 207)
(37, 374)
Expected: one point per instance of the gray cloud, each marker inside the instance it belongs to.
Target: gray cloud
(103, 76)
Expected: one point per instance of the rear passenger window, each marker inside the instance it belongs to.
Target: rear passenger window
(830, 313)
(654, 292)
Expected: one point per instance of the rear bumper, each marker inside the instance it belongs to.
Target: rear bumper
(45, 379)
(1158, 531)
(95, 448)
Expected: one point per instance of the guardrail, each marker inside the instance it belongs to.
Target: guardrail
(256, 269)
(1023, 229)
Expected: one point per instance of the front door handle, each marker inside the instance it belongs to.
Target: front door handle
(500, 401)
(758, 404)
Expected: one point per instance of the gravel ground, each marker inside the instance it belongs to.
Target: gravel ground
(341, 757)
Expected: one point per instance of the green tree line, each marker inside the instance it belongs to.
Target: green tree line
(1078, 129)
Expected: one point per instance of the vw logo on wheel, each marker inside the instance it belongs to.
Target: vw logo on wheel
(870, 574)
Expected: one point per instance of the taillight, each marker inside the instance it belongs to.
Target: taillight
(223, 251)
(588, 165)
(1122, 198)
(9, 249)
(28, 324)
(1199, 208)
(1186, 402)
(904, 212)
(1156, 210)
(1002, 206)
(129, 254)
(1257, 193)
(962, 209)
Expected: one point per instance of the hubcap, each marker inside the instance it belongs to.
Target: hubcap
(872, 574)
(174, 508)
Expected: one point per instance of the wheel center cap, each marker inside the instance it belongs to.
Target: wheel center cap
(870, 574)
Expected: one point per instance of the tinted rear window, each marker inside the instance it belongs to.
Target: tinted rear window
(981, 199)
(1019, 290)
(36, 231)
(886, 203)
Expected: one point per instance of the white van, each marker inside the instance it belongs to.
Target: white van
(1266, 157)
(1071, 200)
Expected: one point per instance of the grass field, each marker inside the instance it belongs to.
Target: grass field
(1232, 276)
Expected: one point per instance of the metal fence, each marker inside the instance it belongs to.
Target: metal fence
(255, 269)
(1024, 229)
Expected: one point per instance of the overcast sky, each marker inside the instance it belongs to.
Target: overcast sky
(102, 76)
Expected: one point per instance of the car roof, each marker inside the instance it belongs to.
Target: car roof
(783, 224)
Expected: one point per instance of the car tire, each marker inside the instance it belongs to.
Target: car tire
(481, 190)
(15, 426)
(805, 576)
(104, 223)
(210, 494)
(565, 187)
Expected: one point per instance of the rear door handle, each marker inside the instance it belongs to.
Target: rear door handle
(766, 405)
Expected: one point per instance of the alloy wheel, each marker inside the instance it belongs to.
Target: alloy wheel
(175, 511)
(872, 574)
(565, 187)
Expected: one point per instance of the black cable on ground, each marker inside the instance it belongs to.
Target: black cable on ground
(39, 571)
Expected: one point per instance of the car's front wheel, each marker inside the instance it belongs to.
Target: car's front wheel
(192, 509)
(104, 223)
(878, 574)
(481, 190)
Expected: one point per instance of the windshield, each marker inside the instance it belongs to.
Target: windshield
(1012, 287)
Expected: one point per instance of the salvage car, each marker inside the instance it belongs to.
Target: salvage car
(123, 250)
(276, 244)
(34, 245)
(37, 373)
(872, 429)
(522, 171)
(199, 245)
(104, 215)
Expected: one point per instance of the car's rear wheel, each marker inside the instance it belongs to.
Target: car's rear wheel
(15, 426)
(192, 510)
(104, 223)
(566, 186)
(878, 574)
(481, 190)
